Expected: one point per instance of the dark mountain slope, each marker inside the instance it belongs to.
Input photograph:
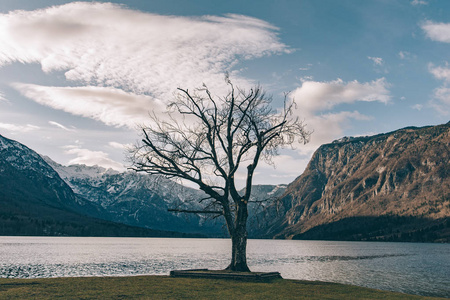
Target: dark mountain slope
(34, 200)
(393, 186)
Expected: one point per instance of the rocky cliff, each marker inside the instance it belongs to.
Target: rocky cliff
(393, 186)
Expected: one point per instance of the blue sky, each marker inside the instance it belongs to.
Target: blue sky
(75, 77)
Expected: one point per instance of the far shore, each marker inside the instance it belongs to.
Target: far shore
(165, 287)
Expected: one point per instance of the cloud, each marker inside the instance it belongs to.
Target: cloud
(18, 128)
(441, 101)
(376, 60)
(111, 106)
(318, 96)
(119, 146)
(316, 103)
(441, 95)
(442, 73)
(419, 2)
(109, 45)
(439, 32)
(417, 107)
(308, 67)
(405, 55)
(60, 126)
(378, 63)
(92, 158)
(2, 97)
(290, 165)
(328, 127)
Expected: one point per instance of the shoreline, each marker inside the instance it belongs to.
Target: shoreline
(166, 287)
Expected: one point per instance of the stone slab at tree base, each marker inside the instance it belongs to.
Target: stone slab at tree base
(226, 274)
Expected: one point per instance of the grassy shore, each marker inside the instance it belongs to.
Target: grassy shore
(164, 287)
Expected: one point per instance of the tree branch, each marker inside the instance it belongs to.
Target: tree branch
(196, 211)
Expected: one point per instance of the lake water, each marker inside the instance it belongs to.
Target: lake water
(422, 269)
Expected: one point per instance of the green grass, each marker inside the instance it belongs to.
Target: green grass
(164, 287)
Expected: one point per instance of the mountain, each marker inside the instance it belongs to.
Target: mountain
(138, 199)
(34, 200)
(262, 197)
(393, 186)
(143, 200)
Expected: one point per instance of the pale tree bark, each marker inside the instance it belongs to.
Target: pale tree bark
(206, 140)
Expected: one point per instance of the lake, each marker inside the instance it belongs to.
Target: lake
(411, 268)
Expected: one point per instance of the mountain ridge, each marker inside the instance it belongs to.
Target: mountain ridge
(34, 200)
(147, 198)
(136, 199)
(397, 176)
(391, 186)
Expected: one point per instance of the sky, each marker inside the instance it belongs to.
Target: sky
(77, 77)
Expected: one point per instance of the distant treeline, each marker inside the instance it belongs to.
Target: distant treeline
(23, 225)
(383, 228)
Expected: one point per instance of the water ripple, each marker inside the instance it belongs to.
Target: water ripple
(409, 268)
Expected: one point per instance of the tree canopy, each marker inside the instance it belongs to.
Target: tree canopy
(207, 139)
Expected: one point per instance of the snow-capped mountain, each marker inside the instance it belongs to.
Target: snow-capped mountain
(28, 169)
(136, 198)
(143, 200)
(45, 198)
(34, 200)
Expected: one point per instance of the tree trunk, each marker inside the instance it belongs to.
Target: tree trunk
(239, 241)
(239, 253)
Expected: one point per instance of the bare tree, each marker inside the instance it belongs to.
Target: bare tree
(207, 140)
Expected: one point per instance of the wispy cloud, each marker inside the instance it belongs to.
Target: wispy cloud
(376, 60)
(18, 128)
(2, 97)
(109, 45)
(109, 105)
(441, 95)
(417, 107)
(306, 68)
(119, 146)
(441, 102)
(405, 55)
(440, 72)
(439, 32)
(378, 64)
(91, 158)
(419, 2)
(60, 126)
